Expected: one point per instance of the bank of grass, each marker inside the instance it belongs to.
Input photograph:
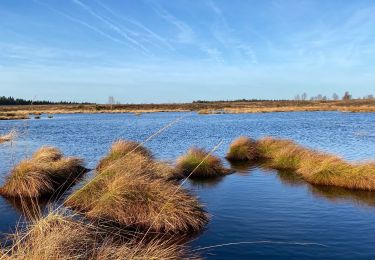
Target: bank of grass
(132, 192)
(198, 163)
(8, 137)
(13, 115)
(316, 167)
(202, 107)
(46, 172)
(63, 236)
(243, 149)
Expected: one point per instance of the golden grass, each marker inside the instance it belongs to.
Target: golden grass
(9, 136)
(198, 163)
(13, 115)
(120, 149)
(131, 192)
(61, 236)
(316, 167)
(41, 175)
(243, 149)
(216, 107)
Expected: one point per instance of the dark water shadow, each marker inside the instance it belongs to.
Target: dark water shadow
(337, 194)
(291, 179)
(34, 208)
(206, 183)
(243, 168)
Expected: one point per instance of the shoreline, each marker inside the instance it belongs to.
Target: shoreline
(215, 107)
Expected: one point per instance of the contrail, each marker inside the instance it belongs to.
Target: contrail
(76, 20)
(111, 25)
(140, 25)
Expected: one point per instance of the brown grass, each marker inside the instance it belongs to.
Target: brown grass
(316, 167)
(243, 149)
(8, 137)
(120, 149)
(13, 115)
(131, 192)
(60, 236)
(198, 163)
(43, 174)
(216, 107)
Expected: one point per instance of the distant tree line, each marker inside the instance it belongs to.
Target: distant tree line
(19, 101)
(238, 100)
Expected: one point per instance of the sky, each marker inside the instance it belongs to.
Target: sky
(153, 51)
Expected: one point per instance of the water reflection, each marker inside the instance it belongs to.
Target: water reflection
(206, 183)
(336, 194)
(242, 168)
(29, 209)
(290, 178)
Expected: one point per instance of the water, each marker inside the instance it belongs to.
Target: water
(265, 214)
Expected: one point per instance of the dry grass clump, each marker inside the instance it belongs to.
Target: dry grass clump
(130, 192)
(316, 167)
(280, 153)
(44, 173)
(243, 149)
(13, 115)
(198, 163)
(60, 236)
(9, 136)
(121, 148)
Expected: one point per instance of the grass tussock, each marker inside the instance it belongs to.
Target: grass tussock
(147, 165)
(243, 149)
(43, 174)
(316, 167)
(132, 193)
(198, 163)
(9, 136)
(60, 236)
(120, 149)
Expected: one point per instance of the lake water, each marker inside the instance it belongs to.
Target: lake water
(256, 213)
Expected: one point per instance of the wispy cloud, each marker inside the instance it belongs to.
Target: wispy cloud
(151, 33)
(112, 26)
(80, 22)
(185, 33)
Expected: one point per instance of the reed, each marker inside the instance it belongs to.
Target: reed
(9, 136)
(62, 236)
(198, 163)
(43, 174)
(132, 193)
(243, 149)
(317, 167)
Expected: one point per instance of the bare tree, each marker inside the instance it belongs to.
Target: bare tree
(370, 97)
(347, 96)
(297, 97)
(304, 96)
(335, 96)
(111, 101)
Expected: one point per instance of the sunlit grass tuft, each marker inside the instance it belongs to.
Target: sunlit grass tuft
(121, 148)
(43, 174)
(132, 192)
(317, 167)
(63, 236)
(198, 163)
(243, 149)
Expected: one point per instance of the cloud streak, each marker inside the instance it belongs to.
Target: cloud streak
(112, 26)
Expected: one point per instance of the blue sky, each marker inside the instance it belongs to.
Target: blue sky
(184, 50)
